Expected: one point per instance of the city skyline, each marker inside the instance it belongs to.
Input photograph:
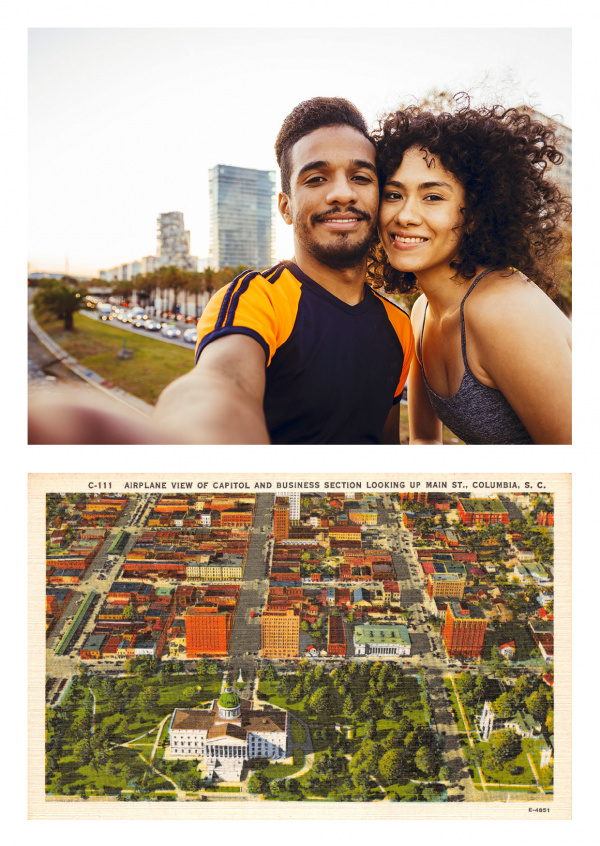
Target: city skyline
(104, 158)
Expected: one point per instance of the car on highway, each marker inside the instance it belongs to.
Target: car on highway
(152, 325)
(190, 336)
(106, 315)
(170, 331)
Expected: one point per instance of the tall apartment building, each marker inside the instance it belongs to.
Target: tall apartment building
(294, 500)
(280, 633)
(464, 629)
(207, 631)
(173, 248)
(281, 520)
(242, 217)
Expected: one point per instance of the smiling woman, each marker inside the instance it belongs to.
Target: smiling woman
(470, 215)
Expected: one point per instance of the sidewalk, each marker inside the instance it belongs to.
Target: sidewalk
(83, 373)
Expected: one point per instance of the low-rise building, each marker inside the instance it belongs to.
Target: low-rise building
(383, 640)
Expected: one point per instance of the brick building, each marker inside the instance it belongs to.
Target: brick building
(336, 636)
(473, 511)
(207, 631)
(280, 633)
(445, 585)
(281, 520)
(464, 629)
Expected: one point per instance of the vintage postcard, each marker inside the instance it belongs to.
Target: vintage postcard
(253, 646)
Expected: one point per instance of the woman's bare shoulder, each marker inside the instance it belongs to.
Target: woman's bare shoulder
(510, 295)
(509, 308)
(418, 309)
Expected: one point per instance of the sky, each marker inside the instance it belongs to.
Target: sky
(124, 123)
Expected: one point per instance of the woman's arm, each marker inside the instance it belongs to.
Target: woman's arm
(522, 341)
(424, 425)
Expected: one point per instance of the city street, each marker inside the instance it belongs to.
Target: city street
(245, 639)
(64, 666)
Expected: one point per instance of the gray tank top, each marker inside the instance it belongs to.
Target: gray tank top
(477, 414)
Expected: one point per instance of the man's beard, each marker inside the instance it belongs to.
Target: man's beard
(341, 254)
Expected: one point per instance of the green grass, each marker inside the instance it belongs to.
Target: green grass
(491, 788)
(503, 776)
(76, 777)
(96, 345)
(274, 771)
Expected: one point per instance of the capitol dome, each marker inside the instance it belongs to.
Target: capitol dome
(229, 705)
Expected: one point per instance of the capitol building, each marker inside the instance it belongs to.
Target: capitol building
(228, 734)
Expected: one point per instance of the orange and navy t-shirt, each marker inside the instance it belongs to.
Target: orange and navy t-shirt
(333, 370)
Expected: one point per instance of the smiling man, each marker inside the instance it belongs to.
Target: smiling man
(306, 352)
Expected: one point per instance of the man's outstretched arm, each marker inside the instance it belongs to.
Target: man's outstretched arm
(220, 401)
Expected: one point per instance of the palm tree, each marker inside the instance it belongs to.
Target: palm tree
(143, 286)
(123, 290)
(63, 297)
(196, 286)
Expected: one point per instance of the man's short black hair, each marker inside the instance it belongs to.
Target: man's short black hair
(308, 116)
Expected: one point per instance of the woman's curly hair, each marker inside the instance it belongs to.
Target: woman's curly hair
(513, 211)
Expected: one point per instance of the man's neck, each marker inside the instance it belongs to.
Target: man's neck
(347, 285)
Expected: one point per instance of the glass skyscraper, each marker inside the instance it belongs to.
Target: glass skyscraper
(242, 217)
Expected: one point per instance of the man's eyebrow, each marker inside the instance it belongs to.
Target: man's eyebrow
(322, 165)
(424, 186)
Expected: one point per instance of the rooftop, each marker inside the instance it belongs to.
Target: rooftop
(475, 505)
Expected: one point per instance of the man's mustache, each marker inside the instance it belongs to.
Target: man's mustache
(363, 215)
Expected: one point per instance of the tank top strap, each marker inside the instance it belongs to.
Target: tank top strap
(420, 349)
(463, 336)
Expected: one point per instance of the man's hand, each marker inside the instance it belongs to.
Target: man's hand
(221, 400)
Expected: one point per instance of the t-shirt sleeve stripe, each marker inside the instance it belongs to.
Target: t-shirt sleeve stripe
(233, 289)
(235, 298)
(250, 305)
